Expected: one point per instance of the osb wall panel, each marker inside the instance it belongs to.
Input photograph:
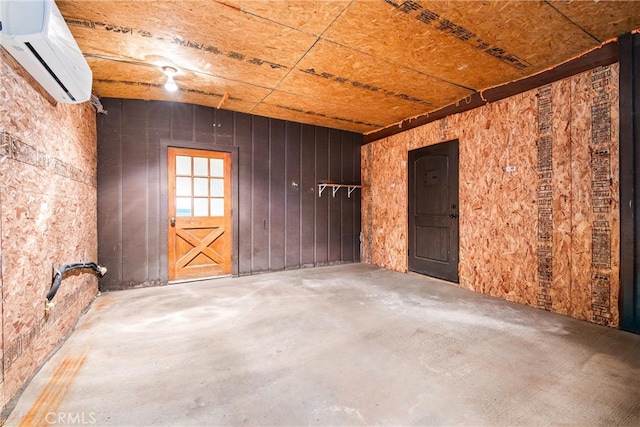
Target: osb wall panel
(48, 217)
(596, 226)
(545, 235)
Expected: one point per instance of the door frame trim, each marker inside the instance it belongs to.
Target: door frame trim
(164, 198)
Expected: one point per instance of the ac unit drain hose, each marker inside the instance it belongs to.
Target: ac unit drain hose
(60, 272)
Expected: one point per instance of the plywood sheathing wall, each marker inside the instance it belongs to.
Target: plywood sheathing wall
(48, 217)
(547, 234)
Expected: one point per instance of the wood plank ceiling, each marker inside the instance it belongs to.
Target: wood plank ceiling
(352, 65)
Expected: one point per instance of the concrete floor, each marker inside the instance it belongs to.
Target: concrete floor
(342, 345)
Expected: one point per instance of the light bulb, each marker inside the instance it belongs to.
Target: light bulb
(170, 85)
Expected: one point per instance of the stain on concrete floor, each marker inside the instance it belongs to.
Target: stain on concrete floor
(341, 345)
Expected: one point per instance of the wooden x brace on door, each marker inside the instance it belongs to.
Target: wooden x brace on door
(200, 246)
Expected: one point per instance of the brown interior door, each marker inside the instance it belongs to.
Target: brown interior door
(433, 211)
(199, 214)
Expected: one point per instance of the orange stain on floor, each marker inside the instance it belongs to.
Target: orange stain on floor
(55, 392)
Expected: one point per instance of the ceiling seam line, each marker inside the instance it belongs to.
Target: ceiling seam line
(318, 38)
(255, 15)
(584, 30)
(403, 66)
(271, 90)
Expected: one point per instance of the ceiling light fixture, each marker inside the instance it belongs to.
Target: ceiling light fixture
(170, 85)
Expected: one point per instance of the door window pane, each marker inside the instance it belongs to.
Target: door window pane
(200, 207)
(183, 206)
(217, 207)
(217, 167)
(183, 186)
(200, 187)
(200, 166)
(183, 165)
(217, 187)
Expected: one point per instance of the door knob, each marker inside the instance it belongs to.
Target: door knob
(453, 216)
(173, 222)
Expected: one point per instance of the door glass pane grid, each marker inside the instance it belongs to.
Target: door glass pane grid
(183, 206)
(183, 165)
(193, 196)
(183, 186)
(217, 187)
(217, 206)
(200, 166)
(217, 168)
(200, 206)
(200, 187)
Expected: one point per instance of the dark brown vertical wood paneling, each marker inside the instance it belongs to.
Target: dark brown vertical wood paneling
(243, 140)
(224, 127)
(347, 240)
(357, 177)
(322, 203)
(293, 187)
(182, 122)
(279, 220)
(629, 52)
(636, 184)
(277, 170)
(113, 119)
(157, 200)
(134, 114)
(159, 116)
(335, 203)
(109, 194)
(134, 206)
(235, 185)
(260, 185)
(159, 119)
(204, 124)
(308, 191)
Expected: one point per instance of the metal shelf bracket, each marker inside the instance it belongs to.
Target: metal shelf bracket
(336, 187)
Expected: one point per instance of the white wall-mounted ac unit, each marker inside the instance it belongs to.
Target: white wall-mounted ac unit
(35, 34)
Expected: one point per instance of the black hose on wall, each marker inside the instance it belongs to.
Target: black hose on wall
(60, 272)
